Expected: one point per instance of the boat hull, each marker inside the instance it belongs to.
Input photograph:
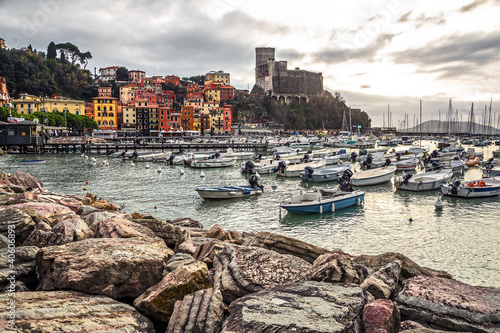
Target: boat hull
(33, 162)
(365, 178)
(228, 192)
(422, 183)
(214, 163)
(329, 204)
(472, 192)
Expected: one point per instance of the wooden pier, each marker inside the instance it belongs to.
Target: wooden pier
(102, 148)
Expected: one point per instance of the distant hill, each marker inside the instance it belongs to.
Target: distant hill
(436, 126)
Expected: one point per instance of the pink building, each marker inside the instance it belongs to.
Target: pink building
(136, 76)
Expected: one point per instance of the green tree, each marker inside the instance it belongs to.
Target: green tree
(51, 51)
(122, 74)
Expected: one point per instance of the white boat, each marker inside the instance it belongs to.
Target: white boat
(406, 164)
(296, 169)
(265, 166)
(239, 155)
(219, 162)
(373, 176)
(457, 166)
(486, 187)
(377, 160)
(491, 171)
(153, 157)
(228, 192)
(324, 174)
(423, 181)
(322, 201)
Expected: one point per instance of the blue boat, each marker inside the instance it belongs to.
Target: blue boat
(325, 174)
(322, 201)
(229, 192)
(25, 162)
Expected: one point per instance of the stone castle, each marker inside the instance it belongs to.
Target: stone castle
(273, 78)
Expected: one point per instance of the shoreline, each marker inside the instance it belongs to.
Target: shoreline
(171, 274)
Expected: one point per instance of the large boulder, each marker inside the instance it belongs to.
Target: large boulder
(336, 267)
(240, 270)
(20, 264)
(408, 267)
(69, 311)
(43, 210)
(92, 216)
(187, 222)
(383, 282)
(288, 245)
(380, 316)
(158, 301)
(21, 223)
(115, 267)
(67, 230)
(26, 180)
(117, 227)
(450, 304)
(201, 311)
(300, 307)
(168, 232)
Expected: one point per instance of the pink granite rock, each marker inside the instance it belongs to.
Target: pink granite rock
(381, 316)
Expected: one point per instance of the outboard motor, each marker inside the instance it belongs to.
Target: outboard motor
(253, 180)
(308, 171)
(434, 154)
(387, 162)
(305, 158)
(353, 156)
(259, 157)
(363, 151)
(249, 166)
(281, 167)
(406, 178)
(277, 157)
(346, 176)
(134, 155)
(346, 187)
(368, 161)
(398, 156)
(309, 151)
(454, 187)
(170, 159)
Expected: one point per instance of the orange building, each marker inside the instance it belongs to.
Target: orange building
(228, 118)
(226, 93)
(187, 119)
(174, 80)
(4, 94)
(104, 91)
(193, 91)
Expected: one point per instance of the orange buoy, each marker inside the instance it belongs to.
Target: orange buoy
(482, 183)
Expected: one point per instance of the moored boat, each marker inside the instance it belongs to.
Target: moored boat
(322, 201)
(472, 161)
(29, 162)
(324, 174)
(486, 187)
(406, 164)
(296, 169)
(219, 162)
(373, 176)
(229, 192)
(423, 181)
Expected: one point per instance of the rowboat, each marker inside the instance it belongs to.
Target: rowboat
(29, 162)
(486, 187)
(373, 176)
(322, 201)
(325, 174)
(228, 192)
(423, 181)
(473, 160)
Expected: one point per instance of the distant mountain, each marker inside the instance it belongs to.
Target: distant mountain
(436, 126)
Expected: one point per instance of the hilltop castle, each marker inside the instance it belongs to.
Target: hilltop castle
(274, 79)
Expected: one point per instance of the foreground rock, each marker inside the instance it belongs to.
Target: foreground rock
(199, 312)
(22, 222)
(68, 230)
(240, 270)
(382, 283)
(115, 267)
(336, 267)
(69, 311)
(450, 304)
(300, 307)
(24, 263)
(158, 301)
(381, 315)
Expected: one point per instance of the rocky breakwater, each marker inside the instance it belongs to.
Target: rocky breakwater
(72, 263)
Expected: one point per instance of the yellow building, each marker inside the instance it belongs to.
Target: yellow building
(218, 76)
(105, 112)
(26, 104)
(217, 120)
(212, 95)
(129, 115)
(2, 44)
(72, 106)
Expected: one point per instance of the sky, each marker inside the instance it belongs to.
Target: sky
(381, 56)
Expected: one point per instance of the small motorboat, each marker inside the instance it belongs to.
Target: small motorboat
(406, 164)
(296, 169)
(218, 162)
(491, 170)
(373, 176)
(324, 201)
(29, 162)
(423, 181)
(486, 187)
(230, 192)
(457, 166)
(325, 174)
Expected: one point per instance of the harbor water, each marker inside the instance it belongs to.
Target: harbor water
(462, 238)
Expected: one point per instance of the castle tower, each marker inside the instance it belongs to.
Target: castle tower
(262, 54)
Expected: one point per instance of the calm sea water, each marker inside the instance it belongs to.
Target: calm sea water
(463, 238)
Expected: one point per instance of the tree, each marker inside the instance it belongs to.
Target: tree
(51, 51)
(122, 74)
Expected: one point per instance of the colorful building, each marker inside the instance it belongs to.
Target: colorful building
(142, 116)
(153, 119)
(218, 76)
(104, 91)
(174, 80)
(26, 104)
(2, 44)
(136, 76)
(164, 113)
(193, 91)
(127, 93)
(61, 104)
(217, 121)
(4, 93)
(212, 95)
(187, 118)
(128, 111)
(105, 112)
(228, 118)
(226, 93)
(108, 73)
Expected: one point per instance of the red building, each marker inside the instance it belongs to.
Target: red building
(187, 118)
(174, 80)
(226, 93)
(164, 113)
(228, 118)
(193, 91)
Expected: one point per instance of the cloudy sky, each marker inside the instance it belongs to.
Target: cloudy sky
(379, 55)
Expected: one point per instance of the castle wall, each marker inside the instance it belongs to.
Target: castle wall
(263, 54)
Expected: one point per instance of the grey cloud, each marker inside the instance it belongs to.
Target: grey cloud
(404, 17)
(365, 86)
(473, 5)
(435, 20)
